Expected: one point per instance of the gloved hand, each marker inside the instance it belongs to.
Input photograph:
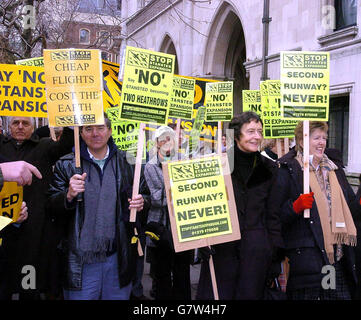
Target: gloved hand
(205, 252)
(304, 201)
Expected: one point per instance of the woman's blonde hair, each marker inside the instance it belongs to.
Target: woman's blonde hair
(313, 126)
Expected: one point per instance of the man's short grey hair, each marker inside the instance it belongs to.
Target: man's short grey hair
(32, 120)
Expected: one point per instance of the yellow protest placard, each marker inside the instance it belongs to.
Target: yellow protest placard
(273, 125)
(219, 101)
(74, 84)
(22, 91)
(251, 100)
(181, 105)
(147, 86)
(35, 62)
(199, 198)
(201, 204)
(11, 198)
(125, 133)
(305, 85)
(112, 86)
(209, 129)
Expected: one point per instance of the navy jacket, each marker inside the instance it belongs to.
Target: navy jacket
(242, 266)
(303, 237)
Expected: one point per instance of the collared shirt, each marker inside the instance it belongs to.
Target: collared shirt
(99, 162)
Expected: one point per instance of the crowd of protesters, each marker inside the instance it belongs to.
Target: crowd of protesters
(74, 227)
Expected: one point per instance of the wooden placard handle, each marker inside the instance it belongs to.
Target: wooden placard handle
(306, 162)
(78, 169)
(177, 134)
(219, 138)
(287, 145)
(279, 148)
(213, 277)
(138, 167)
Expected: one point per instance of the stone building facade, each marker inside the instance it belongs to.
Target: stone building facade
(224, 39)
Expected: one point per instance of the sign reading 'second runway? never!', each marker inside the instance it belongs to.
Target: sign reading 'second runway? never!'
(305, 86)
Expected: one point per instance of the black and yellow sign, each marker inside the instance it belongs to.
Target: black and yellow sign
(74, 85)
(182, 98)
(273, 125)
(125, 133)
(112, 86)
(147, 86)
(34, 62)
(251, 101)
(305, 85)
(22, 91)
(11, 198)
(219, 101)
(199, 198)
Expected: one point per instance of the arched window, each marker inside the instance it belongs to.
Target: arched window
(84, 36)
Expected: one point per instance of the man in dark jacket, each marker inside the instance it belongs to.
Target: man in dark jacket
(25, 243)
(243, 267)
(98, 243)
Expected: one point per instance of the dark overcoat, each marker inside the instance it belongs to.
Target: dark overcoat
(356, 213)
(304, 245)
(241, 267)
(24, 245)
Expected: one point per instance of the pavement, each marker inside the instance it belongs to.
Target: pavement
(147, 280)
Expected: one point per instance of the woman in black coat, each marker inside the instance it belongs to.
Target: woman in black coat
(324, 239)
(356, 212)
(242, 267)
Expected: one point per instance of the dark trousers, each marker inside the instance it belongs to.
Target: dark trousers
(172, 274)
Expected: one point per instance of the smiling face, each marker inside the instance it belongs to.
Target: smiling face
(318, 140)
(251, 136)
(96, 137)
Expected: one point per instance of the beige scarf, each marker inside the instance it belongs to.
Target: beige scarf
(336, 219)
(341, 229)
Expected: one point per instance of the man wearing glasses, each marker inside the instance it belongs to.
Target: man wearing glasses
(100, 255)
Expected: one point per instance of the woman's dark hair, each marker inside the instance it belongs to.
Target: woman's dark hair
(239, 120)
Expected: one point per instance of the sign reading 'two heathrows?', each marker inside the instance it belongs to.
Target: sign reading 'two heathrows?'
(147, 86)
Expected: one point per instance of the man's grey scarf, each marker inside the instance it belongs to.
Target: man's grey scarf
(98, 231)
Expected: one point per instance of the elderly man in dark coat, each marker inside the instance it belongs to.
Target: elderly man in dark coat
(24, 243)
(242, 267)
